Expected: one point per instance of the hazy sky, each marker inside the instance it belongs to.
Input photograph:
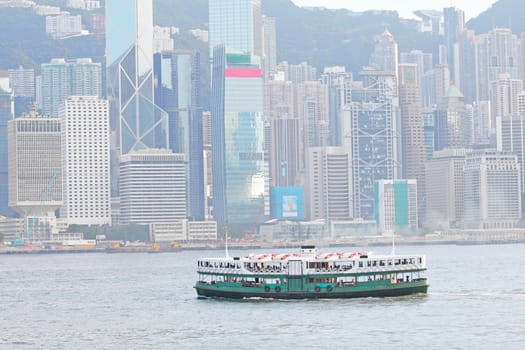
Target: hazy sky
(404, 7)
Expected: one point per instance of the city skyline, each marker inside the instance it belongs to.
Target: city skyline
(331, 133)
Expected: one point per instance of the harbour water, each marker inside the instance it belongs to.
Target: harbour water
(476, 300)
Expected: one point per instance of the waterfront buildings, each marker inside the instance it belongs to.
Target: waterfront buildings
(510, 136)
(152, 187)
(492, 190)
(328, 183)
(178, 93)
(183, 230)
(240, 170)
(444, 175)
(396, 206)
(35, 164)
(85, 161)
(6, 114)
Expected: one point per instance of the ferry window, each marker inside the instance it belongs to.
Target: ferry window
(360, 264)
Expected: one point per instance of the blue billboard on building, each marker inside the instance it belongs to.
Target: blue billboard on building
(287, 203)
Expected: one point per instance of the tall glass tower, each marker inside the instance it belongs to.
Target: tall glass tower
(237, 24)
(177, 91)
(240, 179)
(129, 52)
(6, 114)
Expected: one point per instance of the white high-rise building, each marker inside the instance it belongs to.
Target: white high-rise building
(85, 161)
(329, 183)
(63, 25)
(445, 188)
(492, 190)
(152, 187)
(510, 134)
(504, 94)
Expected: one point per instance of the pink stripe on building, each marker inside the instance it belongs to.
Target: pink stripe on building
(242, 73)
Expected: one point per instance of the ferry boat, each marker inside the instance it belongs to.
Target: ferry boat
(310, 274)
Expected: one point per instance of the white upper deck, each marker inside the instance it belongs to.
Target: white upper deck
(312, 262)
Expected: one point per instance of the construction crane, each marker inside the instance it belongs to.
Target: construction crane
(36, 217)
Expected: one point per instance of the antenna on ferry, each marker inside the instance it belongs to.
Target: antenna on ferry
(226, 242)
(393, 242)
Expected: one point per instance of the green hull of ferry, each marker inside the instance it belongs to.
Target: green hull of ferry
(301, 290)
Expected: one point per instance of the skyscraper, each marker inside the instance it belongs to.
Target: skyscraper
(269, 46)
(335, 78)
(445, 188)
(412, 130)
(6, 114)
(285, 153)
(240, 170)
(453, 121)
(129, 56)
(237, 24)
(497, 53)
(35, 161)
(467, 82)
(23, 83)
(177, 74)
(492, 190)
(85, 160)
(510, 134)
(329, 183)
(153, 187)
(454, 24)
(311, 107)
(504, 94)
(370, 133)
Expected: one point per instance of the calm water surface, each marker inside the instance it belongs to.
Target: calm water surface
(476, 300)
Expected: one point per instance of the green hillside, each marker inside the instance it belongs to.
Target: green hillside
(504, 13)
